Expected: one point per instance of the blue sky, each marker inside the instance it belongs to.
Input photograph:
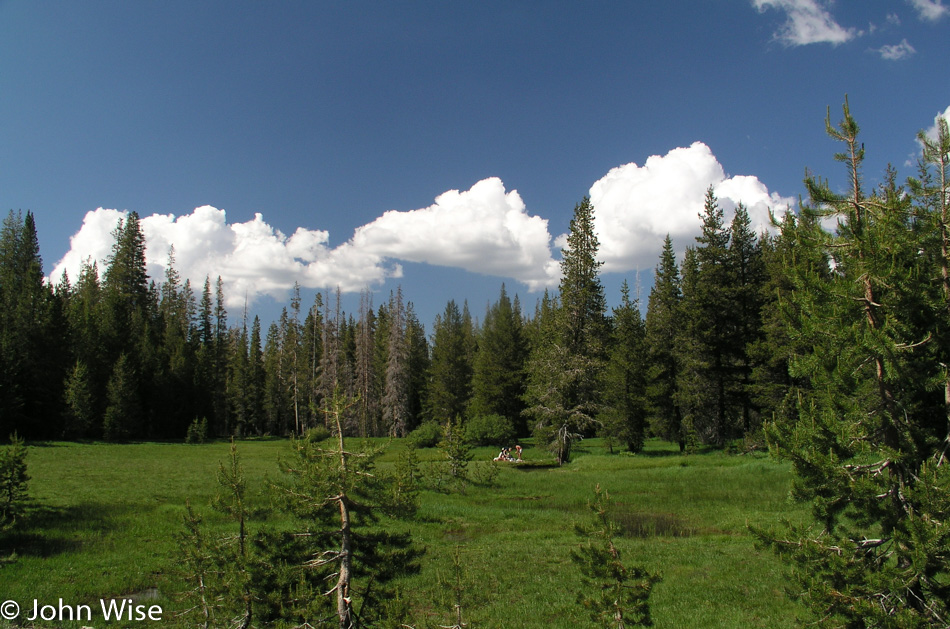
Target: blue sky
(441, 146)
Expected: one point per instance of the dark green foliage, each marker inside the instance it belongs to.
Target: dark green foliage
(615, 595)
(450, 370)
(197, 431)
(662, 328)
(32, 363)
(869, 433)
(722, 298)
(489, 430)
(455, 447)
(426, 435)
(498, 377)
(345, 563)
(13, 480)
(566, 367)
(124, 414)
(625, 392)
(80, 413)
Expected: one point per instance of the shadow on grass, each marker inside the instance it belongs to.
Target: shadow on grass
(47, 531)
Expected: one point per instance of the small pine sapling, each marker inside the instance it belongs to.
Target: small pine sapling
(616, 595)
(13, 481)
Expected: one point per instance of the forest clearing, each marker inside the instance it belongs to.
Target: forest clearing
(104, 518)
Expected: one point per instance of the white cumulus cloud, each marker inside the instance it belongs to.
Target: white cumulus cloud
(252, 258)
(808, 22)
(932, 130)
(635, 207)
(930, 10)
(483, 230)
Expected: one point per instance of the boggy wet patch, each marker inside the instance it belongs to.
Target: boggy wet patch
(635, 524)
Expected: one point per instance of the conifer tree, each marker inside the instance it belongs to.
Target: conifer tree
(32, 361)
(565, 371)
(625, 413)
(80, 408)
(704, 377)
(313, 335)
(340, 497)
(615, 595)
(450, 370)
(747, 270)
(498, 370)
(367, 412)
(396, 394)
(663, 326)
(14, 480)
(256, 379)
(418, 356)
(124, 414)
(868, 439)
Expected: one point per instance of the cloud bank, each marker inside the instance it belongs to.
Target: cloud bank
(485, 229)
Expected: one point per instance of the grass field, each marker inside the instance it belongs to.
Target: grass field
(103, 518)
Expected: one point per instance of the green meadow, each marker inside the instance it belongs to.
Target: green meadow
(103, 519)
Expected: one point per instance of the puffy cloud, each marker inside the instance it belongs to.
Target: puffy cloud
(932, 131)
(896, 52)
(808, 23)
(930, 10)
(635, 207)
(252, 258)
(484, 230)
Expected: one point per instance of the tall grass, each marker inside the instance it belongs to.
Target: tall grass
(103, 520)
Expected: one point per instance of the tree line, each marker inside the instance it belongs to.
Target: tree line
(113, 354)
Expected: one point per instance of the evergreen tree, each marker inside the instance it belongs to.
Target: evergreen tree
(80, 406)
(32, 363)
(124, 414)
(256, 380)
(747, 269)
(868, 439)
(125, 289)
(932, 213)
(565, 371)
(367, 411)
(276, 408)
(498, 373)
(625, 412)
(313, 335)
(450, 372)
(396, 396)
(663, 326)
(418, 356)
(339, 497)
(705, 378)
(14, 481)
(615, 595)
